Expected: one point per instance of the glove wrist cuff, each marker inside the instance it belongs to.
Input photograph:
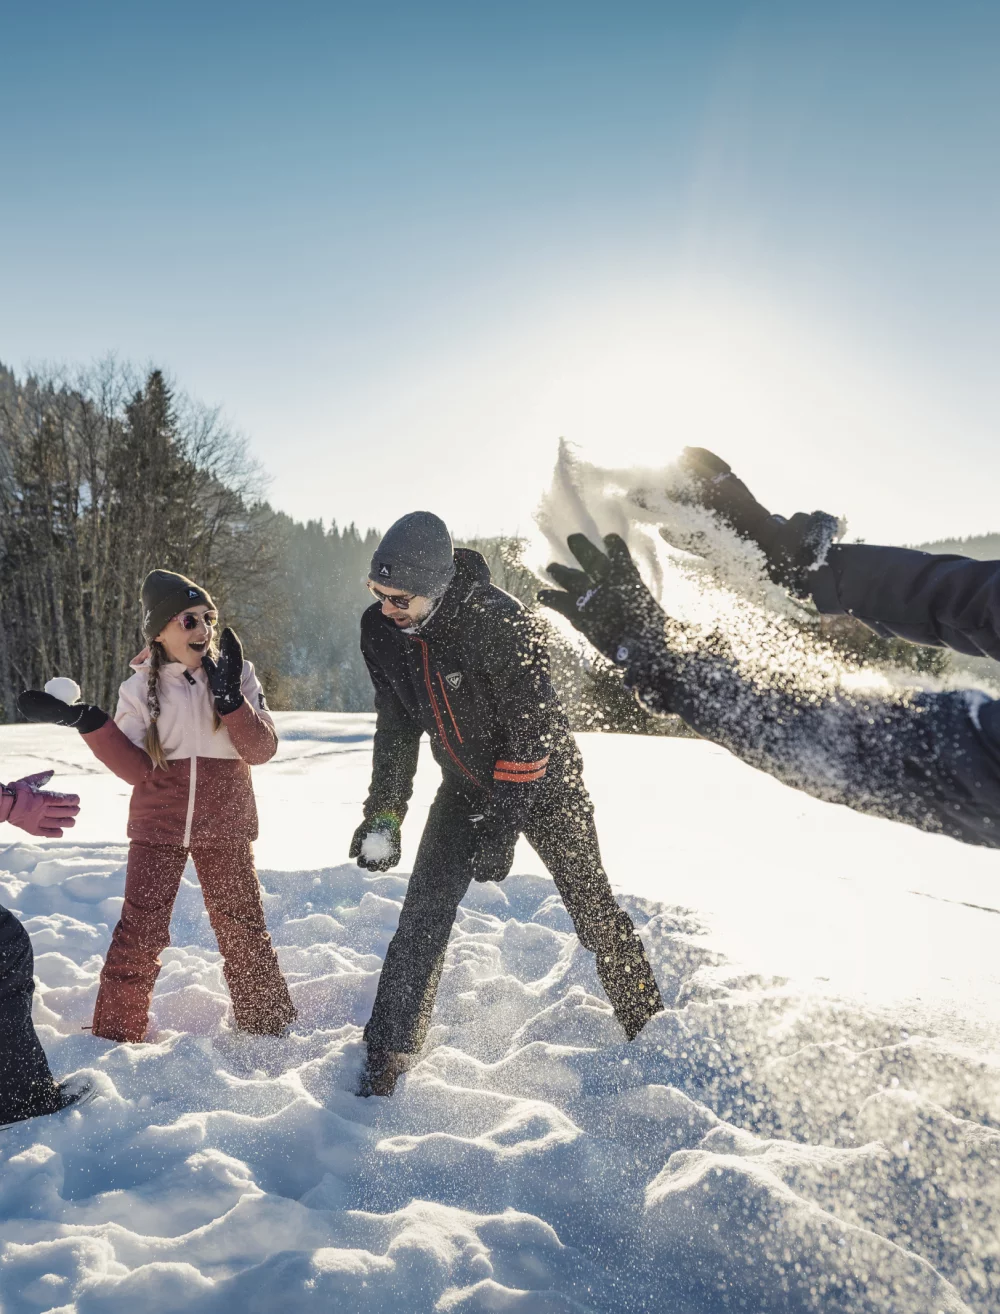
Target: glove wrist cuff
(226, 704)
(90, 719)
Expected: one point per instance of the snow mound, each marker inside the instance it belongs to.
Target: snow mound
(754, 1150)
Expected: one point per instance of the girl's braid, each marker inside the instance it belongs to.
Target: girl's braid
(153, 745)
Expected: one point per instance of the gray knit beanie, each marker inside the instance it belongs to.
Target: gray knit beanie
(165, 594)
(416, 554)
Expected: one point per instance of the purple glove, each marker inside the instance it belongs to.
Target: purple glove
(38, 811)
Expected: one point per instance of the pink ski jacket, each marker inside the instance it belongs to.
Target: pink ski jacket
(204, 796)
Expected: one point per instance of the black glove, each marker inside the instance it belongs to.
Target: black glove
(792, 548)
(496, 828)
(225, 676)
(386, 845)
(606, 600)
(36, 705)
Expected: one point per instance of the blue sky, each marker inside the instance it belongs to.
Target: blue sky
(408, 246)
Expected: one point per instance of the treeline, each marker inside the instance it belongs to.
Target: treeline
(106, 474)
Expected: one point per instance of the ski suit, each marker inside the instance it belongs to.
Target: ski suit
(27, 1087)
(202, 803)
(26, 1084)
(474, 677)
(929, 759)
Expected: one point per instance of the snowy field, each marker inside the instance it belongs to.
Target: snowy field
(814, 1124)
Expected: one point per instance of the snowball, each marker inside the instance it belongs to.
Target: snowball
(64, 688)
(377, 846)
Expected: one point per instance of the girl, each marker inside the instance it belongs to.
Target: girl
(190, 723)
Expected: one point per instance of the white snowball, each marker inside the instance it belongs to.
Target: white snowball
(376, 846)
(64, 688)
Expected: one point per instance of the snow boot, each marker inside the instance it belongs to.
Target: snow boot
(627, 977)
(63, 1095)
(383, 1068)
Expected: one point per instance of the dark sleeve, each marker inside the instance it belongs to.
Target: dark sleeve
(940, 601)
(929, 760)
(514, 657)
(397, 744)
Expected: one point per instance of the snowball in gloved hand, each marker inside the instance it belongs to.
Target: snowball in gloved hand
(378, 846)
(63, 688)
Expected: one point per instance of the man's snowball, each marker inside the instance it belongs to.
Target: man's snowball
(64, 688)
(377, 846)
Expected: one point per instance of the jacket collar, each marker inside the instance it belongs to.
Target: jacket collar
(168, 671)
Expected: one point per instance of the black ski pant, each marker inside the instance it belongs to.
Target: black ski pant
(561, 831)
(26, 1084)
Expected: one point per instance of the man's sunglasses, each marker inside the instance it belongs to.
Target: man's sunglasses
(189, 621)
(401, 601)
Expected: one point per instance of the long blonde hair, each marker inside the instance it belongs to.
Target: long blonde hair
(157, 658)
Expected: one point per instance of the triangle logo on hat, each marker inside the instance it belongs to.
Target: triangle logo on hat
(384, 571)
(192, 593)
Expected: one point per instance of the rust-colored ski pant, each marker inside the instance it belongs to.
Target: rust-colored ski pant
(261, 1002)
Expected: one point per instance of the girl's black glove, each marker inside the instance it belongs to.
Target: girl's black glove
(607, 600)
(37, 705)
(225, 676)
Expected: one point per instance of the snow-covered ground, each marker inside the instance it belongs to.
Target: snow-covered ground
(814, 1123)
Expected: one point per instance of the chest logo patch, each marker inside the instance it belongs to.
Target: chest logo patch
(455, 679)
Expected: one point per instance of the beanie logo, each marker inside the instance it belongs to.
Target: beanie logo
(192, 593)
(384, 571)
(455, 679)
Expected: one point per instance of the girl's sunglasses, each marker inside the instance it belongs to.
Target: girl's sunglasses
(401, 601)
(189, 621)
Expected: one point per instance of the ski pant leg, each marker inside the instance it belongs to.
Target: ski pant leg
(228, 877)
(26, 1084)
(130, 970)
(920, 758)
(561, 830)
(415, 957)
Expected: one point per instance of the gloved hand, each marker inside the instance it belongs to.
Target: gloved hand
(606, 600)
(225, 676)
(377, 844)
(36, 705)
(496, 828)
(792, 548)
(39, 811)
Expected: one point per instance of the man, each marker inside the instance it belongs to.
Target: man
(931, 760)
(452, 655)
(27, 1087)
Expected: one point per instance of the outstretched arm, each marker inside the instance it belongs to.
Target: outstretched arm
(929, 760)
(941, 601)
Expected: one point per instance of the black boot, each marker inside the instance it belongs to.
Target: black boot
(382, 1070)
(51, 1099)
(627, 977)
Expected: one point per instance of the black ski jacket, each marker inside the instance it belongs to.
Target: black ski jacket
(940, 601)
(474, 678)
